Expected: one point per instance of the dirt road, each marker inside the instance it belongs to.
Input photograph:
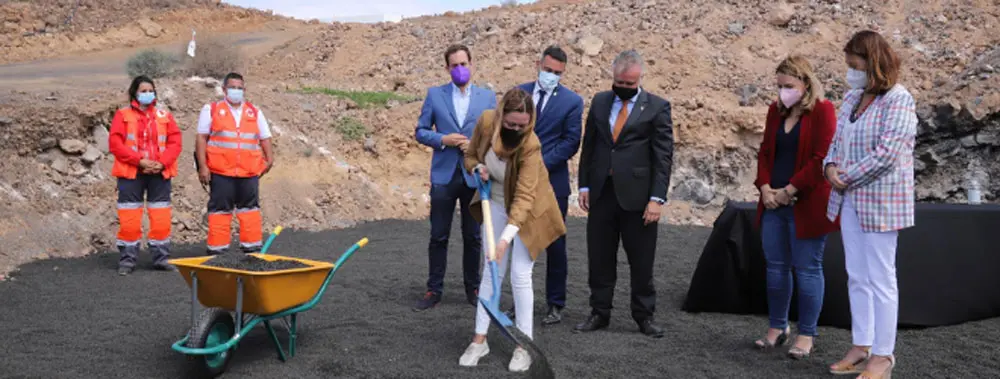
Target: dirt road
(107, 68)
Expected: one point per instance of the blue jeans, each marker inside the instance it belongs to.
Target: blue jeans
(783, 251)
(443, 199)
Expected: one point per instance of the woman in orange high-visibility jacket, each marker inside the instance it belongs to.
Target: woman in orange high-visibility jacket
(145, 142)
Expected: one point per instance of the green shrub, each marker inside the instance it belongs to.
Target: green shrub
(214, 57)
(351, 128)
(152, 63)
(364, 99)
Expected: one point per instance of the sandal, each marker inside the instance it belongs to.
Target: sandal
(887, 374)
(851, 368)
(781, 340)
(796, 352)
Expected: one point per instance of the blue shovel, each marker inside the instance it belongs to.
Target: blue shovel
(539, 365)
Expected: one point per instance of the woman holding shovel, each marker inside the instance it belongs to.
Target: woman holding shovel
(505, 151)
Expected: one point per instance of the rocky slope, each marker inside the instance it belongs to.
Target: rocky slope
(713, 59)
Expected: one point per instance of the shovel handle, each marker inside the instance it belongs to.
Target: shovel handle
(484, 195)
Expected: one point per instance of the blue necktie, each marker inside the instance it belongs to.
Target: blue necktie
(538, 107)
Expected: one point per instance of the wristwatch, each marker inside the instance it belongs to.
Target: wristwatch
(790, 196)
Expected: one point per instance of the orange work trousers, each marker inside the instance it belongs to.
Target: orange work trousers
(231, 195)
(150, 192)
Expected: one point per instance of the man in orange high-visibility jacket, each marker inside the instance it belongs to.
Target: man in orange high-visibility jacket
(233, 151)
(145, 142)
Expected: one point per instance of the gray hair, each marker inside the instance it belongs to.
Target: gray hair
(625, 60)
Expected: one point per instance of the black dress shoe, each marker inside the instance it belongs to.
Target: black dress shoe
(594, 322)
(429, 300)
(472, 296)
(648, 328)
(554, 316)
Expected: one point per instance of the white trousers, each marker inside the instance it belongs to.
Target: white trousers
(870, 259)
(520, 277)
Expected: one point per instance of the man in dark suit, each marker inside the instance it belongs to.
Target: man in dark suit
(557, 124)
(624, 176)
(446, 122)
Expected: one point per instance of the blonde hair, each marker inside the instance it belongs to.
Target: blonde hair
(798, 67)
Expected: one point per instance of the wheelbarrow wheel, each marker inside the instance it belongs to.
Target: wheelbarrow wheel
(215, 327)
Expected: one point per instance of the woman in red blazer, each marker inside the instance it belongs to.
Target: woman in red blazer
(791, 212)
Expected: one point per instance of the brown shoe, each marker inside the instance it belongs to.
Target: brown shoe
(887, 374)
(847, 367)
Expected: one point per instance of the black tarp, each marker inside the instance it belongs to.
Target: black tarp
(948, 268)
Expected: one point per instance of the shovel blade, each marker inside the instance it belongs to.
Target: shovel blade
(540, 367)
(499, 319)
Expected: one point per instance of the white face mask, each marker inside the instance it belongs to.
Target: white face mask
(857, 79)
(548, 81)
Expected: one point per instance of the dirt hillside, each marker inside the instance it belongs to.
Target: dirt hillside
(342, 161)
(39, 29)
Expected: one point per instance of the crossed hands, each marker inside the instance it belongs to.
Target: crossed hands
(773, 198)
(149, 166)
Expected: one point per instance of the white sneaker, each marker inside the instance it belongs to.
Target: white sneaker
(520, 361)
(473, 353)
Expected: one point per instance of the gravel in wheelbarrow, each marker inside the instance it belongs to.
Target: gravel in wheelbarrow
(246, 262)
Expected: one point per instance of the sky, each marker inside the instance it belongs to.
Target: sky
(341, 9)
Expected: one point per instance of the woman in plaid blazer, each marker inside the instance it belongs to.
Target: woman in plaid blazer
(870, 166)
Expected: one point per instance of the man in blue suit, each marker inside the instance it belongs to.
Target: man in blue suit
(446, 122)
(558, 123)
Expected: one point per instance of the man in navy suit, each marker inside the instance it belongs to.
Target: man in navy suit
(446, 122)
(557, 124)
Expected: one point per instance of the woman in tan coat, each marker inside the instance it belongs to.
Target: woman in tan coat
(505, 150)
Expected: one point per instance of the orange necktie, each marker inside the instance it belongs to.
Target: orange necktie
(620, 121)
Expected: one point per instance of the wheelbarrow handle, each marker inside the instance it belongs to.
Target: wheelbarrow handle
(270, 239)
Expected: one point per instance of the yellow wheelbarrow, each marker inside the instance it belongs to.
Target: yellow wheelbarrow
(235, 301)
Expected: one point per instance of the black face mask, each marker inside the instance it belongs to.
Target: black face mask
(624, 93)
(510, 137)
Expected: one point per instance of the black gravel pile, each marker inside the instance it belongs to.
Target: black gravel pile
(246, 262)
(76, 318)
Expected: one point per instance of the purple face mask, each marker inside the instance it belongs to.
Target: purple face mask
(460, 75)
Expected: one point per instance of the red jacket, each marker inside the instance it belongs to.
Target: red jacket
(815, 136)
(116, 142)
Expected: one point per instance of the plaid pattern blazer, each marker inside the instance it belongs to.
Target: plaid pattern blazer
(876, 155)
